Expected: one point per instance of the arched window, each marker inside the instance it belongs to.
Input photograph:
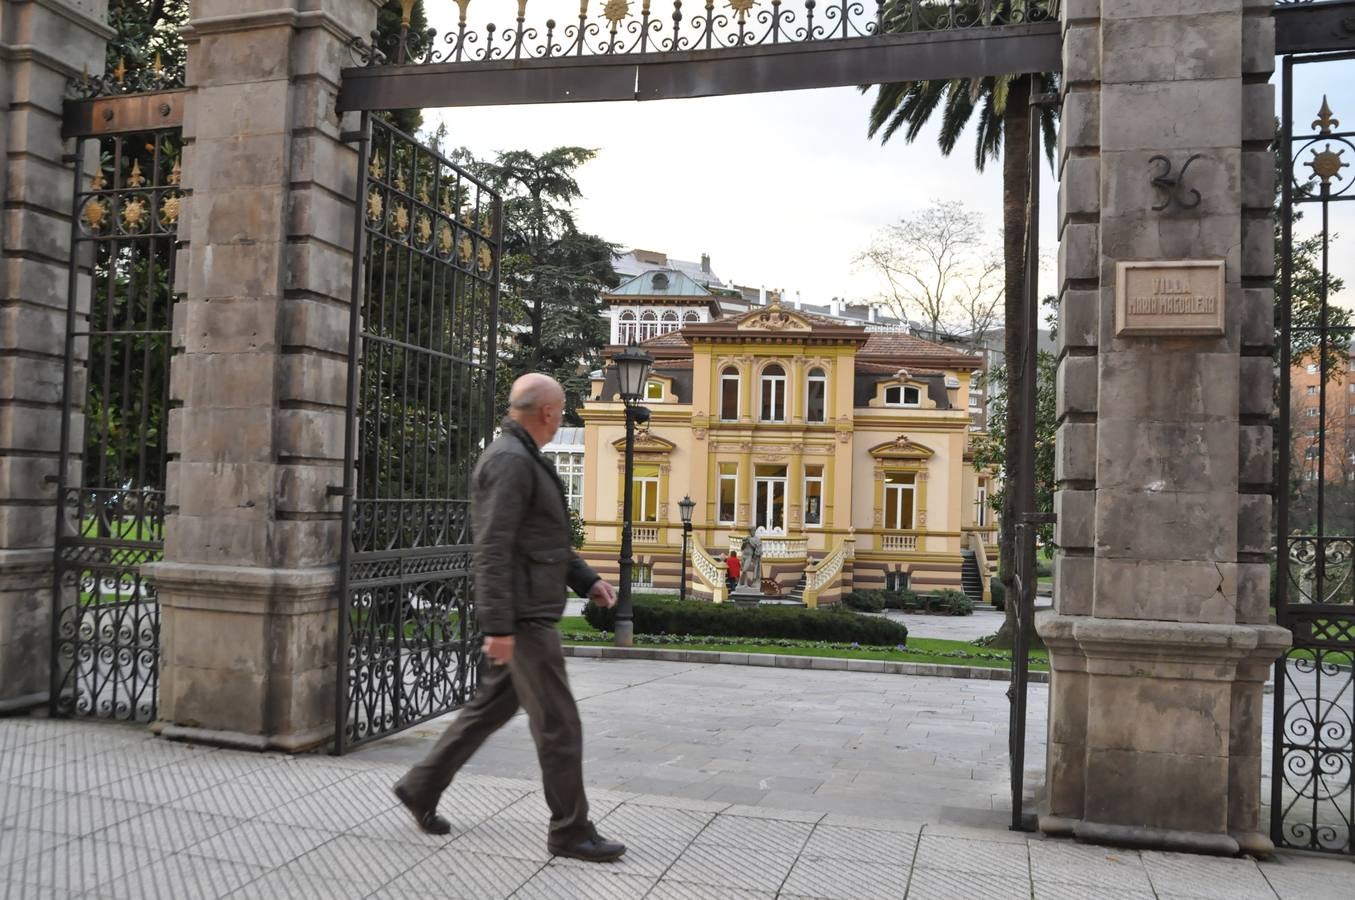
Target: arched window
(625, 329)
(729, 394)
(902, 395)
(693, 316)
(773, 407)
(660, 282)
(816, 396)
(649, 324)
(670, 322)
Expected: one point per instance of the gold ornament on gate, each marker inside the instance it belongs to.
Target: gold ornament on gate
(423, 229)
(134, 214)
(376, 169)
(1326, 163)
(136, 179)
(444, 238)
(1325, 122)
(94, 214)
(175, 174)
(486, 258)
(742, 7)
(375, 208)
(464, 249)
(400, 219)
(169, 210)
(615, 11)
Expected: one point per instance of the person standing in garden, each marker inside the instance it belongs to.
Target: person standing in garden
(732, 570)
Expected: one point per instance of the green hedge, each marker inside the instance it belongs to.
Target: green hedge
(999, 592)
(948, 602)
(727, 619)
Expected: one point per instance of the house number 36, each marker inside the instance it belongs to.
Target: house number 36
(1172, 187)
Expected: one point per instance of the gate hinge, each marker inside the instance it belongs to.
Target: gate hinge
(51, 479)
(1039, 518)
(70, 158)
(352, 137)
(335, 490)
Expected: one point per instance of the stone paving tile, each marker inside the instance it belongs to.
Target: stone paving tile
(183, 877)
(760, 812)
(756, 834)
(20, 843)
(843, 879)
(361, 860)
(80, 865)
(505, 837)
(242, 801)
(844, 820)
(1206, 878)
(263, 843)
(997, 834)
(294, 778)
(567, 883)
(290, 883)
(1058, 890)
(18, 803)
(733, 867)
(980, 857)
(632, 822)
(1066, 862)
(75, 814)
(466, 876)
(533, 806)
(396, 824)
(688, 803)
(160, 785)
(677, 890)
(336, 808)
(941, 884)
(1311, 879)
(834, 842)
(168, 829)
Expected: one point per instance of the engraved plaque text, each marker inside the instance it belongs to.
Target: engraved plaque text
(1169, 297)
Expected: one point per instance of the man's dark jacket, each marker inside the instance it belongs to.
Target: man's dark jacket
(523, 557)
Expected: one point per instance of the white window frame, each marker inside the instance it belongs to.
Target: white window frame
(903, 390)
(720, 480)
(897, 501)
(1312, 368)
(642, 575)
(646, 516)
(810, 379)
(569, 466)
(669, 321)
(691, 317)
(813, 479)
(777, 383)
(649, 324)
(981, 507)
(650, 393)
(1312, 390)
(770, 482)
(733, 376)
(627, 328)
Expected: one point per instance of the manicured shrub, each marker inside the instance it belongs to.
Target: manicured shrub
(953, 603)
(999, 594)
(904, 600)
(695, 617)
(865, 601)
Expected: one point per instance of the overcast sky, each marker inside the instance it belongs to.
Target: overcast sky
(782, 190)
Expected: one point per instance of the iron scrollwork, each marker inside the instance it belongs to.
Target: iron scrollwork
(1173, 186)
(616, 27)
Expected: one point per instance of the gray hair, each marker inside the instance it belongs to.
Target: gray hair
(534, 390)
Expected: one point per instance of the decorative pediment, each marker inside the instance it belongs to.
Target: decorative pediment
(645, 442)
(901, 448)
(774, 318)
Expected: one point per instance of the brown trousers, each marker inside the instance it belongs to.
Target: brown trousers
(535, 679)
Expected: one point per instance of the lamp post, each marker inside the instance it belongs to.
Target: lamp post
(685, 507)
(632, 371)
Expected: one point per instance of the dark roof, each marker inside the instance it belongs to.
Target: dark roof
(898, 345)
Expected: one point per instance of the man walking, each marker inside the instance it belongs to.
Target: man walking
(523, 560)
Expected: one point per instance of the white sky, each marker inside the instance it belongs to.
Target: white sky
(782, 190)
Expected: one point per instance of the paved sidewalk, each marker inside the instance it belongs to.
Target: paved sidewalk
(95, 810)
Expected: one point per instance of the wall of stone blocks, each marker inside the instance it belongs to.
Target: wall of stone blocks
(43, 43)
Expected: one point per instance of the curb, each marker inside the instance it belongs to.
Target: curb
(778, 661)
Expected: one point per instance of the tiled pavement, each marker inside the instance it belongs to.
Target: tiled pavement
(97, 810)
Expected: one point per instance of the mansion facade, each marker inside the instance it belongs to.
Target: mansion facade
(846, 448)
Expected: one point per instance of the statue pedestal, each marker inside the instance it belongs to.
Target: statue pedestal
(746, 595)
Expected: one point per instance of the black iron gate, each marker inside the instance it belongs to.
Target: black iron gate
(1312, 797)
(111, 477)
(422, 353)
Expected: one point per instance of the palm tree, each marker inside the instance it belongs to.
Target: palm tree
(1003, 107)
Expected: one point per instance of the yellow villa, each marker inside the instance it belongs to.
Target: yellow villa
(847, 448)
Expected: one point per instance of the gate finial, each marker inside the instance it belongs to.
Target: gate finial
(1324, 121)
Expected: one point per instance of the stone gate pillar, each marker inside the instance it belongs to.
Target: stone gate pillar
(248, 585)
(42, 46)
(1159, 638)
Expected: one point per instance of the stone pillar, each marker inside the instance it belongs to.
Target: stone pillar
(1159, 638)
(248, 585)
(42, 46)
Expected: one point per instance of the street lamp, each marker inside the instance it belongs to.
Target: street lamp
(632, 371)
(685, 507)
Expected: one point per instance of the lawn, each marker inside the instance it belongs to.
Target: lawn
(921, 650)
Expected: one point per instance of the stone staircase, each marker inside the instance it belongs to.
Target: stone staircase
(970, 579)
(797, 593)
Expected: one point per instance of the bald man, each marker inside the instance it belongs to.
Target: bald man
(523, 560)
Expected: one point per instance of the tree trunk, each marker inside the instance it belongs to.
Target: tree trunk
(1015, 178)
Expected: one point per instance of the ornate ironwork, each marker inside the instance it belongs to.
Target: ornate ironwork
(619, 27)
(111, 515)
(1173, 186)
(1312, 793)
(421, 389)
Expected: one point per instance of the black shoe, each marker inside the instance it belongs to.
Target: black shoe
(428, 820)
(592, 849)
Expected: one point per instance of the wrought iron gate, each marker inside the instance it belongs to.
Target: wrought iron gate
(111, 481)
(1312, 797)
(422, 351)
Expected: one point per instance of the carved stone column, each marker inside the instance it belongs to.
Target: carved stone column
(42, 46)
(1159, 639)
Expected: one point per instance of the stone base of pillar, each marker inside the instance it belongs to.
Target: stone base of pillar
(248, 655)
(25, 628)
(1154, 732)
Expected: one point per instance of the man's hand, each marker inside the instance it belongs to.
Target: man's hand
(603, 594)
(499, 648)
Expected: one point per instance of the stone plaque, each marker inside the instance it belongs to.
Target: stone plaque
(1169, 297)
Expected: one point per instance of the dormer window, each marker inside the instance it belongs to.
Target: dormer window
(902, 395)
(654, 390)
(660, 282)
